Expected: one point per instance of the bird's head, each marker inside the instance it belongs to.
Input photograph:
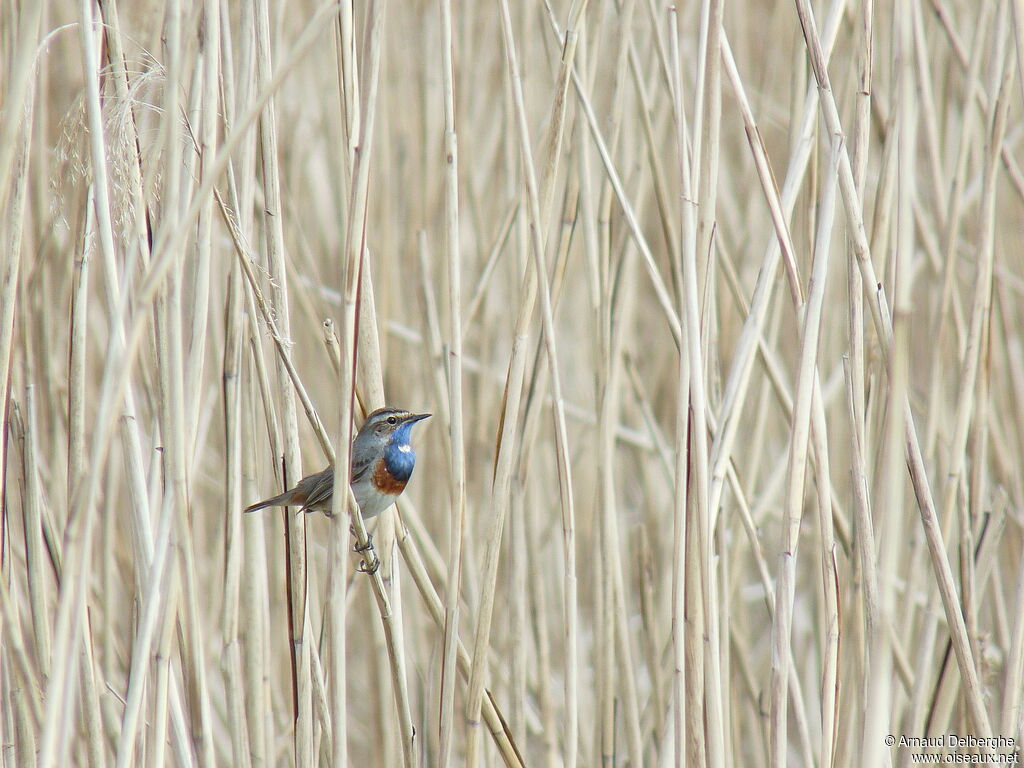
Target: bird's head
(391, 423)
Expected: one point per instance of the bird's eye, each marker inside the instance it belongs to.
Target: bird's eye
(392, 419)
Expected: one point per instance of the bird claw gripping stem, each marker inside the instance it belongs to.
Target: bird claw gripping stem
(370, 563)
(369, 567)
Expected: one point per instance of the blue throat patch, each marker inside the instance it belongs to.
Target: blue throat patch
(400, 462)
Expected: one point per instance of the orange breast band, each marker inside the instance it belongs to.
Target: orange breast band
(385, 482)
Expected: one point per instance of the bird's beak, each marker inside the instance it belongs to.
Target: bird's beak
(413, 418)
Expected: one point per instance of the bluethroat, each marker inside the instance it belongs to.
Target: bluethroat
(382, 463)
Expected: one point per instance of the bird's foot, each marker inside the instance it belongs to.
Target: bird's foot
(364, 547)
(369, 568)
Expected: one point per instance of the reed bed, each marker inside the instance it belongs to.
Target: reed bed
(717, 307)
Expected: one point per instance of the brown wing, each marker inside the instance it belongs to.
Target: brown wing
(318, 490)
(361, 466)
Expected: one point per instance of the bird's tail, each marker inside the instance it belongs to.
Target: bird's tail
(280, 500)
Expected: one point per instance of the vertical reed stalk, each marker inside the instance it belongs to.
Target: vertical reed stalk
(453, 368)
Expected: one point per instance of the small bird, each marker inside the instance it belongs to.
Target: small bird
(382, 463)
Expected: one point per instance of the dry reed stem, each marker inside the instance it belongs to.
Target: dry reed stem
(342, 353)
(361, 335)
(501, 489)
(453, 370)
